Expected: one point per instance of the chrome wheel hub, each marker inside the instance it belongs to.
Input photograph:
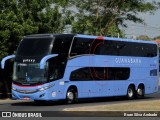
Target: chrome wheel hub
(70, 95)
(139, 91)
(130, 93)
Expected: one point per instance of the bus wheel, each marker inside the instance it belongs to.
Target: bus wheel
(140, 92)
(130, 92)
(71, 96)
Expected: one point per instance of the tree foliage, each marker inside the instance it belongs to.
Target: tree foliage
(155, 38)
(98, 17)
(23, 17)
(143, 37)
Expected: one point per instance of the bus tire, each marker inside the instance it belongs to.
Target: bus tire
(130, 92)
(71, 96)
(140, 92)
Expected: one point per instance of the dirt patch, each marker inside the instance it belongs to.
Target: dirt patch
(153, 105)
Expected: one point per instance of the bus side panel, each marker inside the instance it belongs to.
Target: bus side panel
(92, 89)
(152, 76)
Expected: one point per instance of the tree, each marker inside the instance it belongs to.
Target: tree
(98, 17)
(143, 37)
(158, 37)
(20, 17)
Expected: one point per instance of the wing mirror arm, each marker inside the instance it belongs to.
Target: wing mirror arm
(45, 58)
(5, 59)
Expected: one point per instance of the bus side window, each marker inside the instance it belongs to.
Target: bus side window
(81, 46)
(100, 73)
(54, 71)
(82, 74)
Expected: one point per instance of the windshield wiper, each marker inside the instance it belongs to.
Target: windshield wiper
(36, 81)
(19, 82)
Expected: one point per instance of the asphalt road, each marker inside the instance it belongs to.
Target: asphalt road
(60, 105)
(54, 109)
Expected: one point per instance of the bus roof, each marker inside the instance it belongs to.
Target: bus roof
(91, 36)
(117, 39)
(47, 35)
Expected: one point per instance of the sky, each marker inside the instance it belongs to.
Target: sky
(151, 29)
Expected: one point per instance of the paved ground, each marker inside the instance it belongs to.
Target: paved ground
(16, 105)
(56, 108)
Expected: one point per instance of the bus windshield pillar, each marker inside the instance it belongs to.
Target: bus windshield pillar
(44, 59)
(5, 59)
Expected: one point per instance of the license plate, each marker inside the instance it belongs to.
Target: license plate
(26, 98)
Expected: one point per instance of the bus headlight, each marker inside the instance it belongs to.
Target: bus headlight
(44, 88)
(14, 89)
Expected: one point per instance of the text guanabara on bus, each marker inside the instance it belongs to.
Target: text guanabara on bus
(74, 66)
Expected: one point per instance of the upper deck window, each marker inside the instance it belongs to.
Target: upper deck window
(43, 46)
(62, 44)
(83, 46)
(34, 46)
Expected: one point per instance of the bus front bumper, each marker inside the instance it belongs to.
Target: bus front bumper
(44, 95)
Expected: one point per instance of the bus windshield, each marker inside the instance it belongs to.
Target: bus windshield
(33, 46)
(29, 73)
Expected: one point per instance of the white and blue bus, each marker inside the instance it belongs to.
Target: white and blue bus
(69, 67)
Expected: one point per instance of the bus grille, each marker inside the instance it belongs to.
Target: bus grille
(27, 91)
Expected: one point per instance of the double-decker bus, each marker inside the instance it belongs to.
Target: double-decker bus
(70, 67)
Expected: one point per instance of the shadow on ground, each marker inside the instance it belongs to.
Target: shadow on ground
(108, 100)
